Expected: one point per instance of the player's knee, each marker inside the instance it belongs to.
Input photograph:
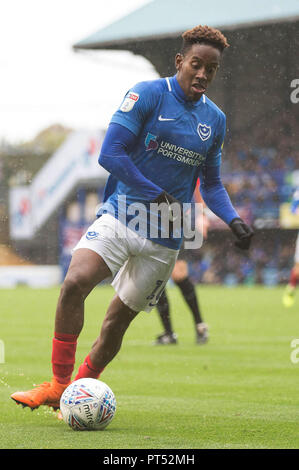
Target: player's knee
(179, 275)
(180, 271)
(118, 317)
(73, 287)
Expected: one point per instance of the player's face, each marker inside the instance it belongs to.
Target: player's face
(196, 69)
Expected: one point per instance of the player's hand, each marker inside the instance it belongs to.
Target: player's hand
(175, 210)
(243, 233)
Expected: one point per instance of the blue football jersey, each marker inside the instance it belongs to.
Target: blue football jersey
(175, 139)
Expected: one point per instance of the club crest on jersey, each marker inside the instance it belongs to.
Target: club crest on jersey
(151, 142)
(129, 101)
(91, 235)
(204, 131)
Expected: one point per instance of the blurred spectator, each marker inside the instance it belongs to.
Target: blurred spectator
(268, 262)
(257, 164)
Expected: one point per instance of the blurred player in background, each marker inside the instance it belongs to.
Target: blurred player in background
(165, 135)
(180, 277)
(288, 298)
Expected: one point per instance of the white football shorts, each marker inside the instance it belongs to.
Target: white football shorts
(140, 268)
(296, 258)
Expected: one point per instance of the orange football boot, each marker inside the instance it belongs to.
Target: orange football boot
(47, 393)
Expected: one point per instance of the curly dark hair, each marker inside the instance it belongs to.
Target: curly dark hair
(203, 35)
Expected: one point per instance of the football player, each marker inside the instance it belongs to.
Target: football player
(165, 134)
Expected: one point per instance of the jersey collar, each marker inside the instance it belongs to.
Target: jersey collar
(178, 92)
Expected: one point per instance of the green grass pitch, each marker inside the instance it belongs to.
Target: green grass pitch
(239, 391)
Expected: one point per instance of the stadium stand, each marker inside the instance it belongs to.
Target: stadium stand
(261, 155)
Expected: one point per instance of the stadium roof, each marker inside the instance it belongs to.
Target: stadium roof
(169, 18)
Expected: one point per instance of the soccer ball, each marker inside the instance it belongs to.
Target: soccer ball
(87, 404)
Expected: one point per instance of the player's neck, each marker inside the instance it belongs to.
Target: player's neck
(180, 92)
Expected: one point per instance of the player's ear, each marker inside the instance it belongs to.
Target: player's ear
(178, 60)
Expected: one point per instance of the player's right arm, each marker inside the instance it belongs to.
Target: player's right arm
(122, 134)
(121, 137)
(115, 159)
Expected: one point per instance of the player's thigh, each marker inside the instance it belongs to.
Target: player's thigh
(108, 238)
(141, 281)
(86, 270)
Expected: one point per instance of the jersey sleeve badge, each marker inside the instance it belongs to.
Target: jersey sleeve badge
(129, 101)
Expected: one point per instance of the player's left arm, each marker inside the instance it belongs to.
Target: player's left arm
(215, 195)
